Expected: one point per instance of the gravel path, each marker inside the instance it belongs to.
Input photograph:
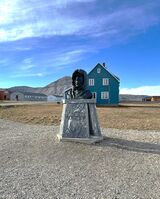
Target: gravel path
(33, 164)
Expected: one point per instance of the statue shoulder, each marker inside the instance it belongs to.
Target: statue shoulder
(69, 93)
(88, 94)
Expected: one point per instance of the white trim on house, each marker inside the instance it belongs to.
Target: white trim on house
(98, 70)
(105, 95)
(105, 81)
(91, 82)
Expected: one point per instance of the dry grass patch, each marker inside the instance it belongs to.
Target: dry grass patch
(134, 116)
(141, 118)
(47, 114)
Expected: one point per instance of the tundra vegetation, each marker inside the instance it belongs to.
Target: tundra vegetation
(126, 116)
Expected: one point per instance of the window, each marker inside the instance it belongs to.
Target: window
(104, 95)
(91, 82)
(98, 70)
(94, 95)
(105, 81)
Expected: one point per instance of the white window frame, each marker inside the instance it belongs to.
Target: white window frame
(91, 82)
(95, 95)
(98, 70)
(105, 81)
(105, 95)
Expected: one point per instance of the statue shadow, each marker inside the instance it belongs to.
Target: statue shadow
(129, 145)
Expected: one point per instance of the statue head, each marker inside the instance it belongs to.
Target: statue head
(79, 79)
(79, 83)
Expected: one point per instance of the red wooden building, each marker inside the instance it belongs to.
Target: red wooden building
(4, 95)
(155, 98)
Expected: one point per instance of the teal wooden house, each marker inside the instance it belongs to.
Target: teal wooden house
(104, 85)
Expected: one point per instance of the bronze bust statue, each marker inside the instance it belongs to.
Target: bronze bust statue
(79, 84)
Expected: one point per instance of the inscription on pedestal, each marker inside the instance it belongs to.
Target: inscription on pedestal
(76, 121)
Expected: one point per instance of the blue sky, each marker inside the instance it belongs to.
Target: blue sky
(42, 41)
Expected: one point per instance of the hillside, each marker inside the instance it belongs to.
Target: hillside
(58, 87)
(55, 88)
(131, 98)
(25, 89)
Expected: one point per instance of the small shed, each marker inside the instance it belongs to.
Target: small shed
(54, 98)
(155, 98)
(146, 99)
(4, 94)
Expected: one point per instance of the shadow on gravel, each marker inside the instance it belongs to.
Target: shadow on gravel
(130, 145)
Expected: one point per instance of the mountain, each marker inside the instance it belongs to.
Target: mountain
(131, 98)
(24, 89)
(58, 87)
(55, 88)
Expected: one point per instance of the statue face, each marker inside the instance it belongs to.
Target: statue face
(78, 81)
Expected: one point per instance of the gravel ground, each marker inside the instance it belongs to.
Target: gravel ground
(33, 164)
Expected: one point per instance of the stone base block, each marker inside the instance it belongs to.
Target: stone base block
(79, 122)
(90, 140)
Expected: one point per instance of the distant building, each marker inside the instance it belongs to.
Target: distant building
(146, 99)
(155, 98)
(151, 99)
(4, 94)
(54, 98)
(104, 85)
(25, 96)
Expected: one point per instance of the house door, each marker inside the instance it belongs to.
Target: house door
(5, 97)
(94, 95)
(17, 97)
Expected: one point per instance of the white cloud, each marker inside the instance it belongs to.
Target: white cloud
(28, 75)
(24, 19)
(27, 60)
(143, 90)
(60, 58)
(22, 48)
(27, 67)
(27, 64)
(3, 62)
(65, 58)
(7, 11)
(62, 3)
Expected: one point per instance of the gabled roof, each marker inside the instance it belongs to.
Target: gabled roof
(35, 94)
(156, 96)
(55, 95)
(29, 93)
(115, 77)
(3, 89)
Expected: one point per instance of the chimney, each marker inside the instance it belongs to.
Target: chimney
(104, 64)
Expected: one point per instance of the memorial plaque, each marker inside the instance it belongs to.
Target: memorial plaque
(76, 121)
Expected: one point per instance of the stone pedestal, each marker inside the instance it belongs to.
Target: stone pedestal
(79, 121)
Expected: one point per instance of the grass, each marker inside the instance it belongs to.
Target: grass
(127, 116)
